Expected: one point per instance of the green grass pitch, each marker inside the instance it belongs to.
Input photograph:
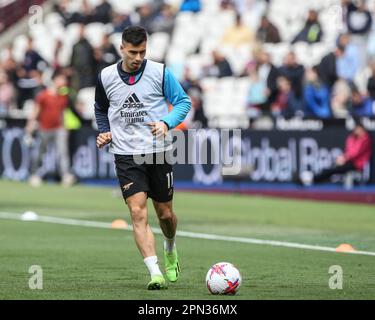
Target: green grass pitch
(90, 263)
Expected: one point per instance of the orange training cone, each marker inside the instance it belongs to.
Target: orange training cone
(119, 224)
(344, 247)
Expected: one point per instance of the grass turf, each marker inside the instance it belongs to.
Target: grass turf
(89, 263)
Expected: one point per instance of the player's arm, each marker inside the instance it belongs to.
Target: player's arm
(101, 115)
(180, 101)
(178, 98)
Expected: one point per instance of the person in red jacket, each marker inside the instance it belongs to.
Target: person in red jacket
(358, 150)
(47, 118)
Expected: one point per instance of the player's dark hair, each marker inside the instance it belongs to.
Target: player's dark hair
(134, 35)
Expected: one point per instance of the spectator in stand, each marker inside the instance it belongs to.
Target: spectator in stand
(83, 63)
(165, 20)
(359, 23)
(371, 82)
(106, 54)
(358, 17)
(33, 60)
(268, 73)
(157, 5)
(237, 35)
(102, 12)
(340, 99)
(28, 80)
(357, 154)
(81, 16)
(228, 5)
(191, 5)
(370, 46)
(255, 54)
(316, 96)
(348, 63)
(361, 106)
(294, 72)
(267, 32)
(28, 85)
(121, 21)
(196, 119)
(61, 8)
(327, 68)
(9, 65)
(146, 17)
(6, 93)
(85, 13)
(312, 31)
(257, 95)
(50, 105)
(286, 103)
(189, 82)
(56, 62)
(220, 67)
(281, 101)
(73, 114)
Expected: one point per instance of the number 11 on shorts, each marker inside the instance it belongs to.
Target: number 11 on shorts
(170, 179)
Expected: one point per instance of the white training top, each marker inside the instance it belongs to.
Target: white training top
(131, 107)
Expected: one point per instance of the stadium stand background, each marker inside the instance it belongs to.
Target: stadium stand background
(218, 64)
(185, 40)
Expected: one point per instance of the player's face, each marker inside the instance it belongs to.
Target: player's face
(133, 55)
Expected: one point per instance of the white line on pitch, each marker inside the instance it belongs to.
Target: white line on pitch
(107, 225)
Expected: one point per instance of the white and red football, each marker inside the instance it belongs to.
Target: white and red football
(223, 278)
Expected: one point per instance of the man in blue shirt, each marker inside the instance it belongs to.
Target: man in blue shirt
(348, 64)
(132, 115)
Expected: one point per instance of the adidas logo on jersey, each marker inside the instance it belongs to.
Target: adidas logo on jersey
(132, 101)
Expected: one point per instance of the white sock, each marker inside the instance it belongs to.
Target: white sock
(169, 244)
(152, 265)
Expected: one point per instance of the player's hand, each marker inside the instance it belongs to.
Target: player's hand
(103, 139)
(158, 129)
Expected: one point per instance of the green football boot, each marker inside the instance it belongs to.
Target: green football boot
(157, 283)
(172, 267)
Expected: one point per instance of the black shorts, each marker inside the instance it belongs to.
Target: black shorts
(156, 179)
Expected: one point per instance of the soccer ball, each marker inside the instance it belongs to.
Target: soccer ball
(223, 278)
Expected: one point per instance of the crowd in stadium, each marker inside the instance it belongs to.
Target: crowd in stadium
(328, 89)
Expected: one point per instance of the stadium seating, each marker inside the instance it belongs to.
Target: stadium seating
(85, 99)
(194, 38)
(94, 33)
(225, 102)
(158, 46)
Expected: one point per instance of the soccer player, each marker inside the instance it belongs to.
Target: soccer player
(131, 112)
